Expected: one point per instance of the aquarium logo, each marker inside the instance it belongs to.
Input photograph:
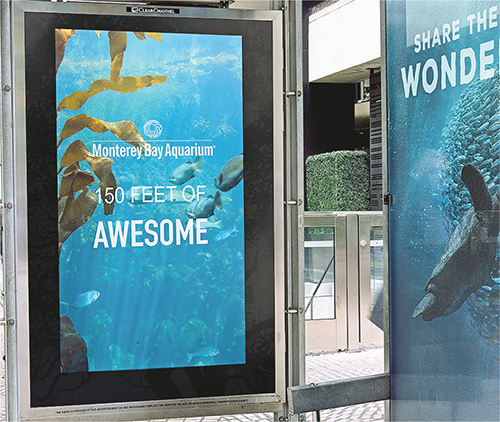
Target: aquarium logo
(152, 129)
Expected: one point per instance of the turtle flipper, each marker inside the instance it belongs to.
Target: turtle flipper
(479, 192)
(426, 305)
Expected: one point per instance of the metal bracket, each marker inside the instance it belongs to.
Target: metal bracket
(297, 202)
(293, 93)
(294, 311)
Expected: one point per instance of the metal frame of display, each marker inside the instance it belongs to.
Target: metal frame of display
(16, 237)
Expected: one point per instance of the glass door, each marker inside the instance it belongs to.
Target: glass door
(325, 282)
(371, 279)
(343, 280)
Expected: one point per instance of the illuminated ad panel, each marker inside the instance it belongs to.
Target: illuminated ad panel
(151, 146)
(443, 91)
(150, 160)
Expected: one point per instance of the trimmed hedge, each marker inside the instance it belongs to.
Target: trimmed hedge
(338, 181)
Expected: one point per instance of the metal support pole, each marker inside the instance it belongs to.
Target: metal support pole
(294, 194)
(385, 190)
(9, 244)
(352, 278)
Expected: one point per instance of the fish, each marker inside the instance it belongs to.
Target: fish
(205, 206)
(203, 352)
(210, 224)
(185, 172)
(494, 127)
(83, 300)
(226, 233)
(481, 138)
(230, 174)
(73, 348)
(483, 126)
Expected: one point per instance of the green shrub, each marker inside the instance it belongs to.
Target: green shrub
(338, 181)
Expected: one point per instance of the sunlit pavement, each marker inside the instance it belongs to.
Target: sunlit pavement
(322, 367)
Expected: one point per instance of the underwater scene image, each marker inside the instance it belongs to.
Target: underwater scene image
(472, 137)
(469, 189)
(443, 99)
(151, 200)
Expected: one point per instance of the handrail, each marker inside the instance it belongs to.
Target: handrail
(332, 394)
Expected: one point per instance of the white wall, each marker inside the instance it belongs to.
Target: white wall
(344, 41)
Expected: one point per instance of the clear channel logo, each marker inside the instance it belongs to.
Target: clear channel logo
(154, 10)
(152, 129)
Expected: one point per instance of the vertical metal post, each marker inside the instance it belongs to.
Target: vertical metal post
(9, 244)
(364, 278)
(385, 189)
(341, 276)
(352, 282)
(294, 194)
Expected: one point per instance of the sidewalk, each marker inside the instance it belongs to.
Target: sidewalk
(321, 368)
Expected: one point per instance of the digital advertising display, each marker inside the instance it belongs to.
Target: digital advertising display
(443, 92)
(150, 160)
(154, 261)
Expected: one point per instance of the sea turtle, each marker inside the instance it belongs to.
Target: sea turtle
(469, 256)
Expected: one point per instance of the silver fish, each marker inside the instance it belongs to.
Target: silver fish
(231, 174)
(210, 224)
(204, 352)
(83, 300)
(185, 172)
(226, 233)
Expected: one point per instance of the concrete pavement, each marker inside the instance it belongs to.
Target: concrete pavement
(322, 367)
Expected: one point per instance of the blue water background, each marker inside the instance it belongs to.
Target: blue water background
(439, 365)
(159, 304)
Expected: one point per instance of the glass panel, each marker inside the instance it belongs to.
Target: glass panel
(443, 172)
(377, 269)
(319, 273)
